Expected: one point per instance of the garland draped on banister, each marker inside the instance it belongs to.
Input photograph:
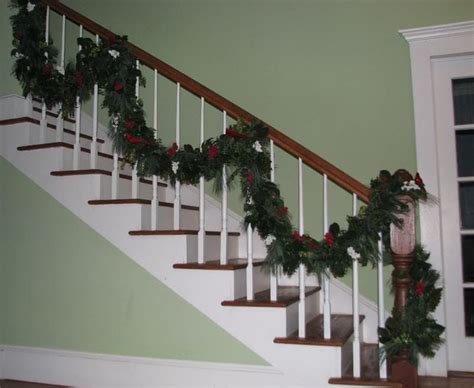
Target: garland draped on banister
(243, 149)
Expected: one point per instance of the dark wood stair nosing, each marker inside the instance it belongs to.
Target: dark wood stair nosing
(53, 114)
(364, 382)
(93, 171)
(293, 338)
(140, 201)
(180, 232)
(218, 267)
(243, 302)
(26, 119)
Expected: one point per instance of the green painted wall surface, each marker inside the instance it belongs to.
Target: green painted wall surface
(69, 288)
(334, 75)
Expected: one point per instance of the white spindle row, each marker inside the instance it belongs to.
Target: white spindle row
(43, 122)
(381, 301)
(202, 209)
(302, 270)
(223, 255)
(273, 276)
(77, 138)
(355, 305)
(154, 180)
(60, 118)
(177, 189)
(326, 280)
(95, 120)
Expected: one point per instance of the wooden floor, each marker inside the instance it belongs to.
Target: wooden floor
(425, 382)
(451, 382)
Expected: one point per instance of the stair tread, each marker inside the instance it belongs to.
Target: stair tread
(52, 114)
(94, 171)
(286, 295)
(232, 264)
(179, 232)
(341, 330)
(364, 382)
(140, 201)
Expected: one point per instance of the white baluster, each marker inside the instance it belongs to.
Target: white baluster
(60, 118)
(202, 210)
(43, 122)
(223, 257)
(135, 180)
(302, 270)
(273, 276)
(326, 284)
(381, 301)
(355, 305)
(249, 270)
(115, 176)
(77, 142)
(95, 118)
(154, 198)
(177, 189)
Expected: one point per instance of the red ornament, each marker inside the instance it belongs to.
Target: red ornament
(312, 244)
(212, 152)
(298, 236)
(130, 125)
(235, 134)
(329, 238)
(420, 288)
(282, 211)
(135, 140)
(172, 150)
(418, 180)
(48, 69)
(113, 40)
(118, 87)
(250, 178)
(79, 79)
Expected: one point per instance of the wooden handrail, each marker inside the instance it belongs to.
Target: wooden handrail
(287, 144)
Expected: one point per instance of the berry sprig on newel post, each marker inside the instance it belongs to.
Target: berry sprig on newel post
(243, 149)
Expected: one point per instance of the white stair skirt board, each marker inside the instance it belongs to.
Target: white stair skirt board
(255, 327)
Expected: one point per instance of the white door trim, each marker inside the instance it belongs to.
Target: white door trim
(426, 44)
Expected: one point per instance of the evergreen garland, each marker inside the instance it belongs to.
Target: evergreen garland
(243, 151)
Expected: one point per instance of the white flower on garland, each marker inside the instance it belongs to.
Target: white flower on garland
(30, 7)
(114, 53)
(257, 146)
(19, 55)
(250, 201)
(410, 185)
(352, 253)
(269, 239)
(115, 122)
(175, 167)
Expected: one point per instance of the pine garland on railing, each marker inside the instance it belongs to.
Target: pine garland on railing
(243, 149)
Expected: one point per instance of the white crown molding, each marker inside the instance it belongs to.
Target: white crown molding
(435, 32)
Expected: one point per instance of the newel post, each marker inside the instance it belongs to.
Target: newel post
(402, 241)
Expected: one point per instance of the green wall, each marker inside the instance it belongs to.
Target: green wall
(69, 288)
(333, 74)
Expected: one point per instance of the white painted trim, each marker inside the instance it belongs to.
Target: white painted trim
(427, 44)
(436, 32)
(83, 369)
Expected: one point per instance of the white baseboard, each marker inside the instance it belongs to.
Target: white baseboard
(82, 369)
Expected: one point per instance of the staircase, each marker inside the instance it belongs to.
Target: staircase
(178, 235)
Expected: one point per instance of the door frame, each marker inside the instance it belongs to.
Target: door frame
(427, 44)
